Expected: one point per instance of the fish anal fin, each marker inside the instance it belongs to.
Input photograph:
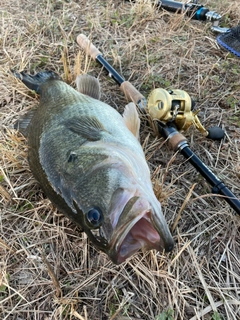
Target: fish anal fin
(88, 85)
(88, 127)
(131, 119)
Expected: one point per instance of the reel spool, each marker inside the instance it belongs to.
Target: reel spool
(176, 106)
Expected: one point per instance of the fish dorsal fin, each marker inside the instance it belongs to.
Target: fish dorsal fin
(22, 123)
(88, 127)
(131, 119)
(88, 85)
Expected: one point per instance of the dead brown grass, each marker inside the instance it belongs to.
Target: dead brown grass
(49, 270)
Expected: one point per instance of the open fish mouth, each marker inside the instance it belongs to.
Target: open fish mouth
(137, 233)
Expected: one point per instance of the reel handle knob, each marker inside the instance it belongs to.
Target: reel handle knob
(215, 133)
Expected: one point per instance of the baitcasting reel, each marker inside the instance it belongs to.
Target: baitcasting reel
(177, 106)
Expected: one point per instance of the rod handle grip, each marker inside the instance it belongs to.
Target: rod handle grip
(87, 46)
(176, 141)
(132, 94)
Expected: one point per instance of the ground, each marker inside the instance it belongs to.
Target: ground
(49, 269)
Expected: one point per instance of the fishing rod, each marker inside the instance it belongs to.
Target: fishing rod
(167, 128)
(195, 11)
(228, 38)
(174, 105)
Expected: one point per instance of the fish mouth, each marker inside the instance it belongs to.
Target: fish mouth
(139, 231)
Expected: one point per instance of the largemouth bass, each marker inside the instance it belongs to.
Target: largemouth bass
(90, 164)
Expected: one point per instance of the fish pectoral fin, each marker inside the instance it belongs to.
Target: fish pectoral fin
(131, 119)
(88, 127)
(22, 123)
(88, 85)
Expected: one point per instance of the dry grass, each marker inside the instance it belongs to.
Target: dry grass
(49, 270)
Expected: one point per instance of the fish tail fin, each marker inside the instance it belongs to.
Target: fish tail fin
(34, 82)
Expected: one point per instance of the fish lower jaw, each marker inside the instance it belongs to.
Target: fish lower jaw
(139, 234)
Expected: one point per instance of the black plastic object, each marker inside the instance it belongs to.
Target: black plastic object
(231, 40)
(215, 133)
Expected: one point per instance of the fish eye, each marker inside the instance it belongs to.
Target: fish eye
(94, 217)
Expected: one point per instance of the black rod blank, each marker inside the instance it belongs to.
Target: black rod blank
(218, 186)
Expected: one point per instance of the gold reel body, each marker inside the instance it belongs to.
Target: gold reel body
(174, 105)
